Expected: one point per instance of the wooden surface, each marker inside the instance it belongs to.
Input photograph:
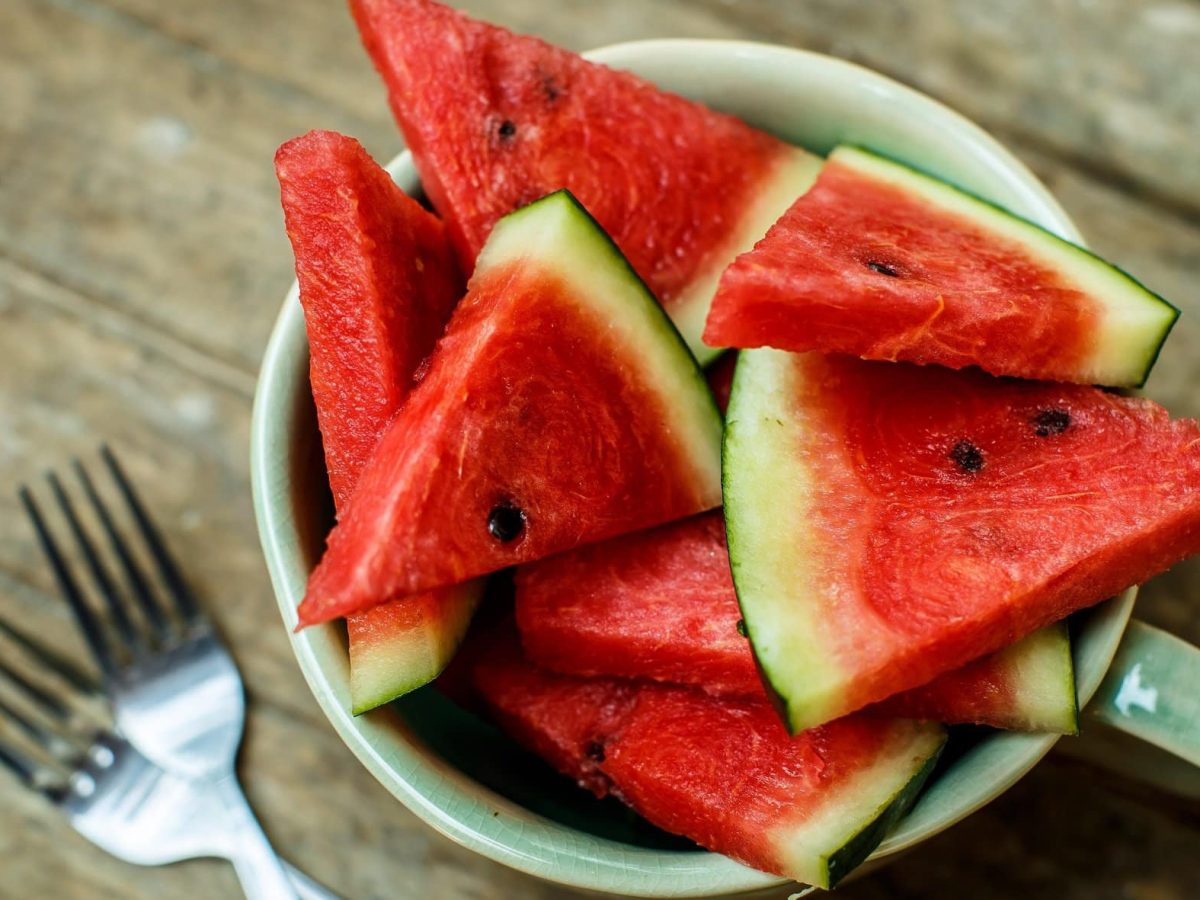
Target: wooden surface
(142, 261)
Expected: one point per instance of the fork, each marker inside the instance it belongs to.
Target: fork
(175, 691)
(111, 794)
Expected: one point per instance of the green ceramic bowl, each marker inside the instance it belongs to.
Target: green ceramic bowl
(447, 768)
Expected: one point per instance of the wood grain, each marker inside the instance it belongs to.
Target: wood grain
(142, 261)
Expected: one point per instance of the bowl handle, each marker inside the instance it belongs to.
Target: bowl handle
(1151, 693)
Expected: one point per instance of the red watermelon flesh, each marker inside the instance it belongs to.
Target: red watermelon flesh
(720, 379)
(661, 605)
(722, 772)
(728, 775)
(657, 604)
(559, 408)
(921, 517)
(1027, 686)
(496, 120)
(882, 262)
(564, 720)
(378, 282)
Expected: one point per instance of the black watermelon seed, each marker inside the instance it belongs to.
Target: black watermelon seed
(594, 751)
(550, 88)
(506, 523)
(967, 457)
(507, 130)
(883, 269)
(741, 628)
(1051, 421)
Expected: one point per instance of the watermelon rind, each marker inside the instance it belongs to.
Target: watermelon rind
(764, 423)
(1043, 681)
(794, 174)
(1026, 686)
(1135, 321)
(392, 663)
(832, 842)
(563, 235)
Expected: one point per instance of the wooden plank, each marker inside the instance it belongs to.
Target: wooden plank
(70, 383)
(1109, 85)
(140, 175)
(315, 48)
(141, 264)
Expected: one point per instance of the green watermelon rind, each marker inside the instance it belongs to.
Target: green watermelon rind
(1046, 683)
(400, 662)
(1037, 679)
(1131, 370)
(755, 612)
(588, 254)
(854, 849)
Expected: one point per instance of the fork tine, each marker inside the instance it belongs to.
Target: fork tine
(41, 695)
(27, 770)
(56, 744)
(184, 601)
(70, 589)
(50, 659)
(20, 764)
(116, 605)
(134, 575)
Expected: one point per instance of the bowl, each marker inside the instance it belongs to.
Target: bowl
(442, 764)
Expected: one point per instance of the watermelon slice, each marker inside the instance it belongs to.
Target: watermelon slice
(728, 776)
(559, 408)
(403, 644)
(661, 605)
(883, 262)
(809, 808)
(496, 120)
(888, 523)
(1027, 686)
(378, 282)
(563, 720)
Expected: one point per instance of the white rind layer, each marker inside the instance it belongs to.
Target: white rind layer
(792, 176)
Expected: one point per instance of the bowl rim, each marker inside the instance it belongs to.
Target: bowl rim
(474, 816)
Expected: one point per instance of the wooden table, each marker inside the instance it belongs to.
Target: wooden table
(142, 261)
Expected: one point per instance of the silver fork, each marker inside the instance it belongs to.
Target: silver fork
(113, 795)
(175, 691)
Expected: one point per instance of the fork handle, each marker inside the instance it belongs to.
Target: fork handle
(260, 871)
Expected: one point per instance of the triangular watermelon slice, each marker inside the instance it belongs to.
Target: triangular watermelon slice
(378, 282)
(403, 644)
(496, 120)
(561, 407)
(888, 523)
(1027, 686)
(810, 808)
(884, 262)
(660, 605)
